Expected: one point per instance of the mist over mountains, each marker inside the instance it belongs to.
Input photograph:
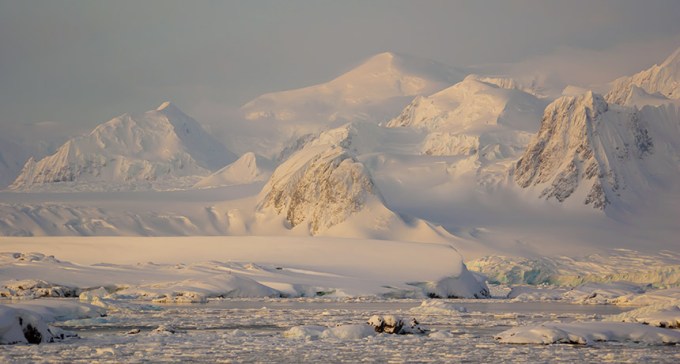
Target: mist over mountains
(396, 148)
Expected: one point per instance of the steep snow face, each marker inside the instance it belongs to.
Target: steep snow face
(663, 78)
(371, 91)
(318, 186)
(158, 144)
(599, 152)
(247, 169)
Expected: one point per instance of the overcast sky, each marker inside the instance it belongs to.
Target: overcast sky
(84, 62)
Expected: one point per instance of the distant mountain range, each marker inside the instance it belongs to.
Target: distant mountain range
(374, 146)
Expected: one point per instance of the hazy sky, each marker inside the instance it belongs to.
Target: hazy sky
(83, 62)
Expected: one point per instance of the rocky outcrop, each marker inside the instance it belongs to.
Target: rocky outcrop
(320, 187)
(584, 145)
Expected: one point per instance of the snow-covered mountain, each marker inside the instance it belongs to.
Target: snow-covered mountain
(321, 189)
(158, 145)
(663, 79)
(374, 90)
(471, 112)
(600, 154)
(478, 122)
(247, 169)
(324, 189)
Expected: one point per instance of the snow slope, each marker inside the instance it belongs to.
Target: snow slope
(485, 126)
(663, 79)
(247, 169)
(370, 91)
(241, 266)
(161, 144)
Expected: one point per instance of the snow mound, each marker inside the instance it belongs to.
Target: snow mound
(158, 145)
(343, 332)
(27, 322)
(368, 92)
(61, 310)
(23, 327)
(585, 333)
(660, 315)
(198, 291)
(665, 297)
(663, 78)
(438, 307)
(35, 288)
(247, 169)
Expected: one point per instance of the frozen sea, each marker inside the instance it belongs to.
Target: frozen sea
(251, 330)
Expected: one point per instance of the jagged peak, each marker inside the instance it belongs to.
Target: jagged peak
(672, 60)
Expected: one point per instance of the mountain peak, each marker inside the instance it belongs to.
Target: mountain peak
(673, 59)
(165, 105)
(370, 91)
(663, 78)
